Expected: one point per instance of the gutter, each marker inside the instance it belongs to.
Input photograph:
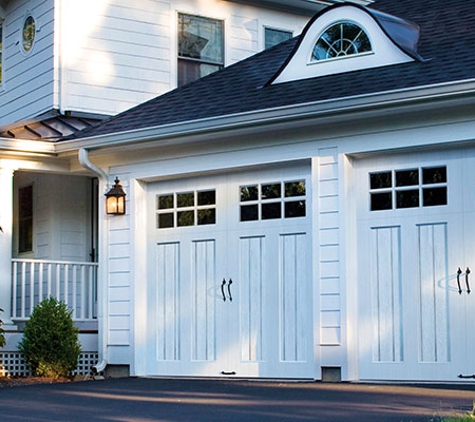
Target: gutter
(83, 157)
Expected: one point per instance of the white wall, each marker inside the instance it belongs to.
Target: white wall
(28, 78)
(61, 216)
(117, 53)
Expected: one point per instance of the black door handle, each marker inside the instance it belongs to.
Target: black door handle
(467, 272)
(459, 271)
(229, 290)
(222, 289)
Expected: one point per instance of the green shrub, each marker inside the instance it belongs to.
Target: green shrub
(50, 342)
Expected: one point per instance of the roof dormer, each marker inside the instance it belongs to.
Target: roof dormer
(350, 37)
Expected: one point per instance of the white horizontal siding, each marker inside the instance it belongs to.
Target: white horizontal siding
(28, 79)
(127, 54)
(329, 247)
(119, 288)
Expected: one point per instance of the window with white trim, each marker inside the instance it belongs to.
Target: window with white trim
(200, 47)
(275, 36)
(186, 209)
(341, 39)
(270, 201)
(408, 188)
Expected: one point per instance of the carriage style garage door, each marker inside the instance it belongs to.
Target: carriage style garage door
(417, 266)
(229, 289)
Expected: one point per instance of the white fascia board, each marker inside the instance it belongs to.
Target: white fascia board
(180, 132)
(26, 147)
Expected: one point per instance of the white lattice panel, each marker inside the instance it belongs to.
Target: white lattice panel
(12, 364)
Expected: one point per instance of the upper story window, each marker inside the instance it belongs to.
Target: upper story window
(275, 36)
(340, 40)
(200, 47)
(28, 33)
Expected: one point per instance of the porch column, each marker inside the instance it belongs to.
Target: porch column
(6, 245)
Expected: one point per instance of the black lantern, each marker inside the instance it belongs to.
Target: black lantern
(115, 199)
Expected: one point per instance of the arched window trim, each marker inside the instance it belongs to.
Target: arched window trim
(312, 60)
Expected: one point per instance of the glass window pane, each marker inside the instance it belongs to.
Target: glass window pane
(381, 180)
(185, 199)
(381, 201)
(185, 218)
(25, 219)
(295, 209)
(249, 213)
(434, 175)
(271, 191)
(407, 198)
(434, 196)
(249, 193)
(272, 210)
(275, 36)
(295, 189)
(407, 177)
(165, 202)
(206, 216)
(200, 38)
(207, 198)
(165, 221)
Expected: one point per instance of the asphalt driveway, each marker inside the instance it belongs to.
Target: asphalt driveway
(144, 400)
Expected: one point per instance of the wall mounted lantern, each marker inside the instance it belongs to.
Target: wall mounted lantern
(115, 199)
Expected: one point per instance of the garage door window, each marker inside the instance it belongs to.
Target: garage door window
(275, 200)
(408, 188)
(186, 209)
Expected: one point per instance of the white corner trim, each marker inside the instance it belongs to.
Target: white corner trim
(384, 51)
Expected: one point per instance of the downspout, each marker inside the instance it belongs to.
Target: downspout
(83, 157)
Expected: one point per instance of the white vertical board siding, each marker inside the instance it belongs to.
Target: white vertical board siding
(28, 82)
(118, 53)
(168, 302)
(433, 259)
(386, 295)
(252, 285)
(293, 298)
(329, 247)
(203, 302)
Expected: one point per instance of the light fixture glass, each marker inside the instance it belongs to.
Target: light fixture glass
(115, 199)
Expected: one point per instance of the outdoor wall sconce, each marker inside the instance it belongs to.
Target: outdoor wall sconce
(115, 199)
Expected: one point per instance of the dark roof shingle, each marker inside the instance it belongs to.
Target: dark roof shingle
(446, 40)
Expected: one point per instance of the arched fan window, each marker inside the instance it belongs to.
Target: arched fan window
(341, 40)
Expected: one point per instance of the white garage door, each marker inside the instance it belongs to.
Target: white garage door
(416, 262)
(229, 291)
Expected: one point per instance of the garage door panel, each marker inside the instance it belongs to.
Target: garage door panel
(203, 300)
(167, 301)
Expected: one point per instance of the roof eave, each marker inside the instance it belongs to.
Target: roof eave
(375, 103)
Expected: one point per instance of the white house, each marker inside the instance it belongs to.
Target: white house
(65, 65)
(325, 185)
(304, 213)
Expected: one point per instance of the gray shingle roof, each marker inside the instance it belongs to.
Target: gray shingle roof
(447, 39)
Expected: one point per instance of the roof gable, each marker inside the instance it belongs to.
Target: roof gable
(390, 41)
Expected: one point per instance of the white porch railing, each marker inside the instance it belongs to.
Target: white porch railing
(74, 283)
